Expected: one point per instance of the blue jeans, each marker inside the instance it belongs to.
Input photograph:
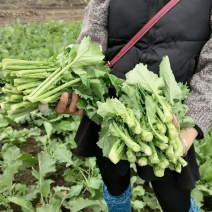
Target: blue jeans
(121, 203)
(194, 207)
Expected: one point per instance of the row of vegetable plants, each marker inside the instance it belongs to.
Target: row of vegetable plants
(39, 170)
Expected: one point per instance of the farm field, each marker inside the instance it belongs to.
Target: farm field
(12, 11)
(38, 167)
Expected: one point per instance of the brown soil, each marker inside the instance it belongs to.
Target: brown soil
(28, 11)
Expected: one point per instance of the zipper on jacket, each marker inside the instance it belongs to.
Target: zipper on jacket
(152, 11)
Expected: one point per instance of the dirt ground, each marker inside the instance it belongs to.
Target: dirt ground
(28, 11)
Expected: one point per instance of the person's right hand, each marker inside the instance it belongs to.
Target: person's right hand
(63, 107)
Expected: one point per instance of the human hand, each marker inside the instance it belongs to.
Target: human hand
(63, 107)
(187, 135)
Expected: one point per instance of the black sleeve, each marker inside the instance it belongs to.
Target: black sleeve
(200, 133)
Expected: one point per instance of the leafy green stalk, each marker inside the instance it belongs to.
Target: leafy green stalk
(145, 148)
(116, 151)
(27, 85)
(160, 145)
(131, 156)
(142, 161)
(178, 167)
(121, 133)
(151, 116)
(158, 171)
(154, 156)
(182, 161)
(53, 91)
(164, 163)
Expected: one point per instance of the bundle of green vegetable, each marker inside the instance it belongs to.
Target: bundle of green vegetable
(138, 126)
(79, 68)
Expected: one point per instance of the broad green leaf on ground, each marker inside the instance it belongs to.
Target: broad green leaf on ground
(53, 206)
(25, 205)
(206, 171)
(151, 201)
(45, 187)
(138, 205)
(198, 196)
(75, 190)
(138, 191)
(10, 153)
(28, 160)
(63, 155)
(94, 183)
(78, 204)
(48, 128)
(3, 121)
(46, 164)
(7, 178)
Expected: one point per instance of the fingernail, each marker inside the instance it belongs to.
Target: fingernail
(65, 96)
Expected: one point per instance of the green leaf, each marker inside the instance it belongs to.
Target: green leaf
(113, 108)
(88, 54)
(171, 90)
(150, 109)
(63, 155)
(28, 160)
(105, 141)
(146, 79)
(138, 191)
(48, 128)
(78, 204)
(45, 187)
(151, 201)
(98, 88)
(91, 162)
(198, 196)
(206, 171)
(10, 154)
(3, 121)
(75, 190)
(36, 174)
(94, 183)
(46, 164)
(138, 204)
(117, 83)
(53, 205)
(6, 179)
(26, 205)
(63, 126)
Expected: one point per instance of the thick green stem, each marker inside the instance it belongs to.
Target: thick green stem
(12, 67)
(35, 76)
(46, 83)
(49, 93)
(31, 71)
(23, 81)
(28, 85)
(25, 105)
(51, 99)
(21, 112)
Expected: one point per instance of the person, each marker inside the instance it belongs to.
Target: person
(184, 35)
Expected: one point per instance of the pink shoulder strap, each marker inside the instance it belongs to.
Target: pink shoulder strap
(143, 31)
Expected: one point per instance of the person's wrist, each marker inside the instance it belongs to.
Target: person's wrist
(188, 136)
(185, 146)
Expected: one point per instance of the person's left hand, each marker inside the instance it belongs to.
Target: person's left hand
(189, 134)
